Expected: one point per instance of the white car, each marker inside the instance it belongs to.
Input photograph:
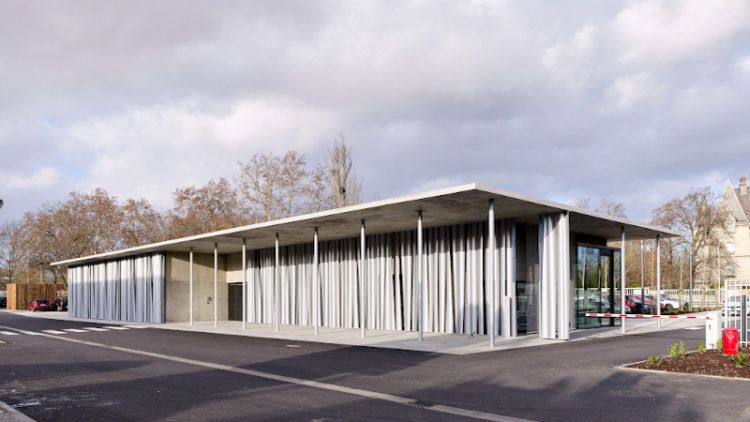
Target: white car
(668, 303)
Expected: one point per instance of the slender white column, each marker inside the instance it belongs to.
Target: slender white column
(316, 287)
(420, 282)
(191, 287)
(244, 284)
(216, 284)
(276, 288)
(622, 278)
(363, 280)
(658, 281)
(491, 270)
(643, 284)
(690, 274)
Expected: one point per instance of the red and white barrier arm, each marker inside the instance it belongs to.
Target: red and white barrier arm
(640, 316)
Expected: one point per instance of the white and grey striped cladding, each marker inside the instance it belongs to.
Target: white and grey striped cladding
(555, 286)
(127, 289)
(455, 275)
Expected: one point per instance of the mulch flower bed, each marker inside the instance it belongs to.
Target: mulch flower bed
(710, 362)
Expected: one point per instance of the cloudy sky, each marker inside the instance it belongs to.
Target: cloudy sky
(636, 101)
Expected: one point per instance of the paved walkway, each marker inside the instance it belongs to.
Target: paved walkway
(437, 343)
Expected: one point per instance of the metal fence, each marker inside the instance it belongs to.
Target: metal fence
(697, 298)
(736, 308)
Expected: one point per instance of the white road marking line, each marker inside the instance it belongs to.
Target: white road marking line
(95, 329)
(693, 328)
(116, 327)
(31, 333)
(53, 331)
(137, 326)
(75, 330)
(8, 333)
(303, 382)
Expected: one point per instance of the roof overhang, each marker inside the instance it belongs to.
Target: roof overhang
(456, 205)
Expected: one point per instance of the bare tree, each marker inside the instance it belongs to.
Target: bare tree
(345, 187)
(612, 208)
(259, 185)
(702, 220)
(204, 209)
(141, 224)
(13, 253)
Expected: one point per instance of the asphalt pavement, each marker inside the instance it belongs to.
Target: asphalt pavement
(63, 370)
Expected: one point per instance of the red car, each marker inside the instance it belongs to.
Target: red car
(38, 305)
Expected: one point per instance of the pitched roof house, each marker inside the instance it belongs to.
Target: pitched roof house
(737, 201)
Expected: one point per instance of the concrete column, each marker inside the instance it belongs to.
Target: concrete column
(244, 284)
(622, 278)
(658, 281)
(491, 270)
(216, 284)
(363, 276)
(191, 286)
(276, 287)
(316, 286)
(420, 281)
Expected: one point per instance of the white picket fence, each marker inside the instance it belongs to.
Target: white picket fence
(709, 298)
(736, 291)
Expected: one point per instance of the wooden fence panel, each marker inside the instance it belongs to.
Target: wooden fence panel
(19, 295)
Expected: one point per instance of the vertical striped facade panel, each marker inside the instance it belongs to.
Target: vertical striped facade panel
(127, 289)
(554, 260)
(456, 281)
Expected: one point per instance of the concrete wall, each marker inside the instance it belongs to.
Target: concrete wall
(234, 268)
(178, 287)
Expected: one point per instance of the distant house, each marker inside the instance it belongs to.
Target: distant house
(737, 201)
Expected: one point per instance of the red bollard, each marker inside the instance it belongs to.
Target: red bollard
(730, 340)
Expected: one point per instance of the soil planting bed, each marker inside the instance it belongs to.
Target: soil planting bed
(710, 362)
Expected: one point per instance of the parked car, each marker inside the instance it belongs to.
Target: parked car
(3, 302)
(670, 303)
(637, 305)
(59, 304)
(733, 306)
(38, 305)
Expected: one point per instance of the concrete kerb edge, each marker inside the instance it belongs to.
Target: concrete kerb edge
(10, 414)
(626, 368)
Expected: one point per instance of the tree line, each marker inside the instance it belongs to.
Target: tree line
(701, 253)
(263, 188)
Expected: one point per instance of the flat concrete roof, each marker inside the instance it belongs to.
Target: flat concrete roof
(455, 205)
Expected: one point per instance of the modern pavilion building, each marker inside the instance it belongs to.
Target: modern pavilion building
(467, 260)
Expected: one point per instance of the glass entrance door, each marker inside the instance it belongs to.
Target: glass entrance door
(596, 289)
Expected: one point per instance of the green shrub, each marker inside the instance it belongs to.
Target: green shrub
(740, 359)
(701, 347)
(677, 350)
(719, 345)
(655, 360)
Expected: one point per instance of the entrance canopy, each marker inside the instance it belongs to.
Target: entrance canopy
(456, 205)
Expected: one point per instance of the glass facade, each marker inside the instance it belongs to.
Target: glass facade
(597, 286)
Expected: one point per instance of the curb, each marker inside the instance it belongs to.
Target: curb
(686, 374)
(10, 414)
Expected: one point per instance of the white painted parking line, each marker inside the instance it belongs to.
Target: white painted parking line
(8, 333)
(116, 327)
(53, 331)
(74, 330)
(95, 329)
(368, 394)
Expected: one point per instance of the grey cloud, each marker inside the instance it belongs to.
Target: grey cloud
(528, 96)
